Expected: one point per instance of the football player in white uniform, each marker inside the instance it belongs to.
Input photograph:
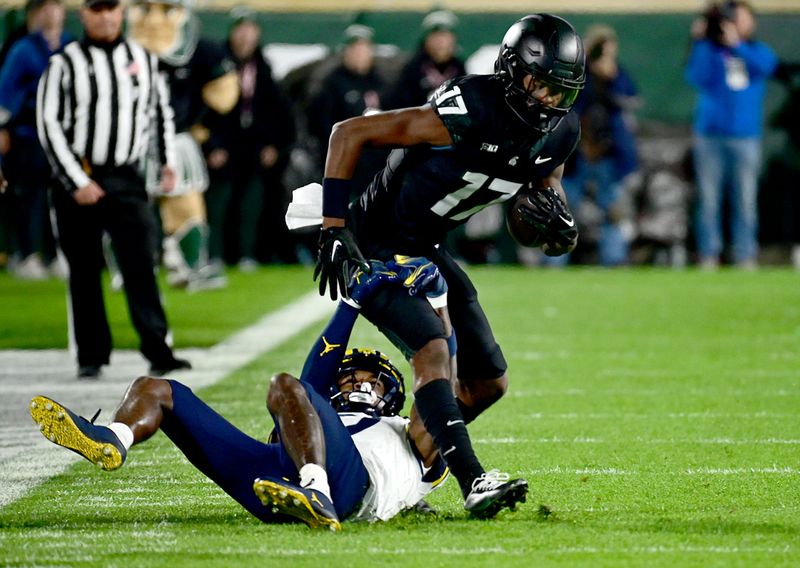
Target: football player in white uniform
(339, 450)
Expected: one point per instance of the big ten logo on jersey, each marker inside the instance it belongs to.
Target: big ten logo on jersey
(479, 192)
(450, 101)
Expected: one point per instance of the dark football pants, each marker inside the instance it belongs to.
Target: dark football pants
(233, 460)
(410, 322)
(126, 215)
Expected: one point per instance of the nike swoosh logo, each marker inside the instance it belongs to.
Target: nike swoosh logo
(540, 160)
(452, 449)
(452, 422)
(414, 275)
(336, 245)
(567, 222)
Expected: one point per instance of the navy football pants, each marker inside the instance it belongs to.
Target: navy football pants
(233, 460)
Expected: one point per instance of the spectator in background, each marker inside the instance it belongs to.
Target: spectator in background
(785, 167)
(18, 32)
(7, 204)
(433, 63)
(729, 69)
(25, 163)
(247, 153)
(352, 88)
(601, 169)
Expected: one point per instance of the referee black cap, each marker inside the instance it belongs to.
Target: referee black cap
(92, 3)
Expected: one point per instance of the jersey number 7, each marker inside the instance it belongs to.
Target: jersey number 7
(488, 196)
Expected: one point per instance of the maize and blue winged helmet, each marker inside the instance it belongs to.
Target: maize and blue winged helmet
(363, 398)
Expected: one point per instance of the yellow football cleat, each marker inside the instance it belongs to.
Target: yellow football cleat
(307, 505)
(61, 426)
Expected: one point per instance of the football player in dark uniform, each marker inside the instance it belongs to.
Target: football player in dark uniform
(479, 140)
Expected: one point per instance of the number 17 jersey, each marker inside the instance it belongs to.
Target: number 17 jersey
(423, 192)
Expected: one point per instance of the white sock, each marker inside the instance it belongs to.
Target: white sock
(313, 476)
(123, 432)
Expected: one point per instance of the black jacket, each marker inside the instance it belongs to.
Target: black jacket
(263, 116)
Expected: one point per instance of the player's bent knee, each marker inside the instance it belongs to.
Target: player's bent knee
(152, 386)
(492, 391)
(500, 386)
(483, 393)
(281, 387)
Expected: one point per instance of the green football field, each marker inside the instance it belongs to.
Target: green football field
(654, 413)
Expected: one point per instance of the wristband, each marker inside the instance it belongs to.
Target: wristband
(452, 344)
(335, 197)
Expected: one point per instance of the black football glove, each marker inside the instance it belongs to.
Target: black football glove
(337, 259)
(544, 211)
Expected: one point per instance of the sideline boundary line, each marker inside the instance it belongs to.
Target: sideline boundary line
(27, 459)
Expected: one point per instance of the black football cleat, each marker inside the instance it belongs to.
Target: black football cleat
(89, 372)
(166, 367)
(493, 492)
(307, 505)
(98, 444)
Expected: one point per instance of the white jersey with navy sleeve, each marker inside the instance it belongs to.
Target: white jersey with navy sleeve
(398, 479)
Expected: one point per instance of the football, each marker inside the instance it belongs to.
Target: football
(523, 233)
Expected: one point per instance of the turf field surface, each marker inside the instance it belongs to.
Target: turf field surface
(654, 414)
(34, 314)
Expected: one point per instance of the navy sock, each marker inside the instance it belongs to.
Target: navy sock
(439, 412)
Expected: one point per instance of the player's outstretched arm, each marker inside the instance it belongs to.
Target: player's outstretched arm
(339, 254)
(391, 129)
(322, 364)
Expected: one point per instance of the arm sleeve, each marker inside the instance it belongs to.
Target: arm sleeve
(50, 99)
(698, 67)
(165, 117)
(759, 58)
(11, 92)
(322, 364)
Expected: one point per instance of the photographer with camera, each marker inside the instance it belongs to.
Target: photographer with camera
(729, 69)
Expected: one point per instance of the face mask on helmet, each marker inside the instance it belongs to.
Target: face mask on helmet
(364, 395)
(542, 66)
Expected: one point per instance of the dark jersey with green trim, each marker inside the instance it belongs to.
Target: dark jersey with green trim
(423, 192)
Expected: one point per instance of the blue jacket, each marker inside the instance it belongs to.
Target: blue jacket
(19, 79)
(731, 82)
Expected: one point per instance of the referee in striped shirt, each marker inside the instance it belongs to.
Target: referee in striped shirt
(101, 106)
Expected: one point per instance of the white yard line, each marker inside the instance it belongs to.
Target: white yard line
(640, 440)
(27, 459)
(500, 551)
